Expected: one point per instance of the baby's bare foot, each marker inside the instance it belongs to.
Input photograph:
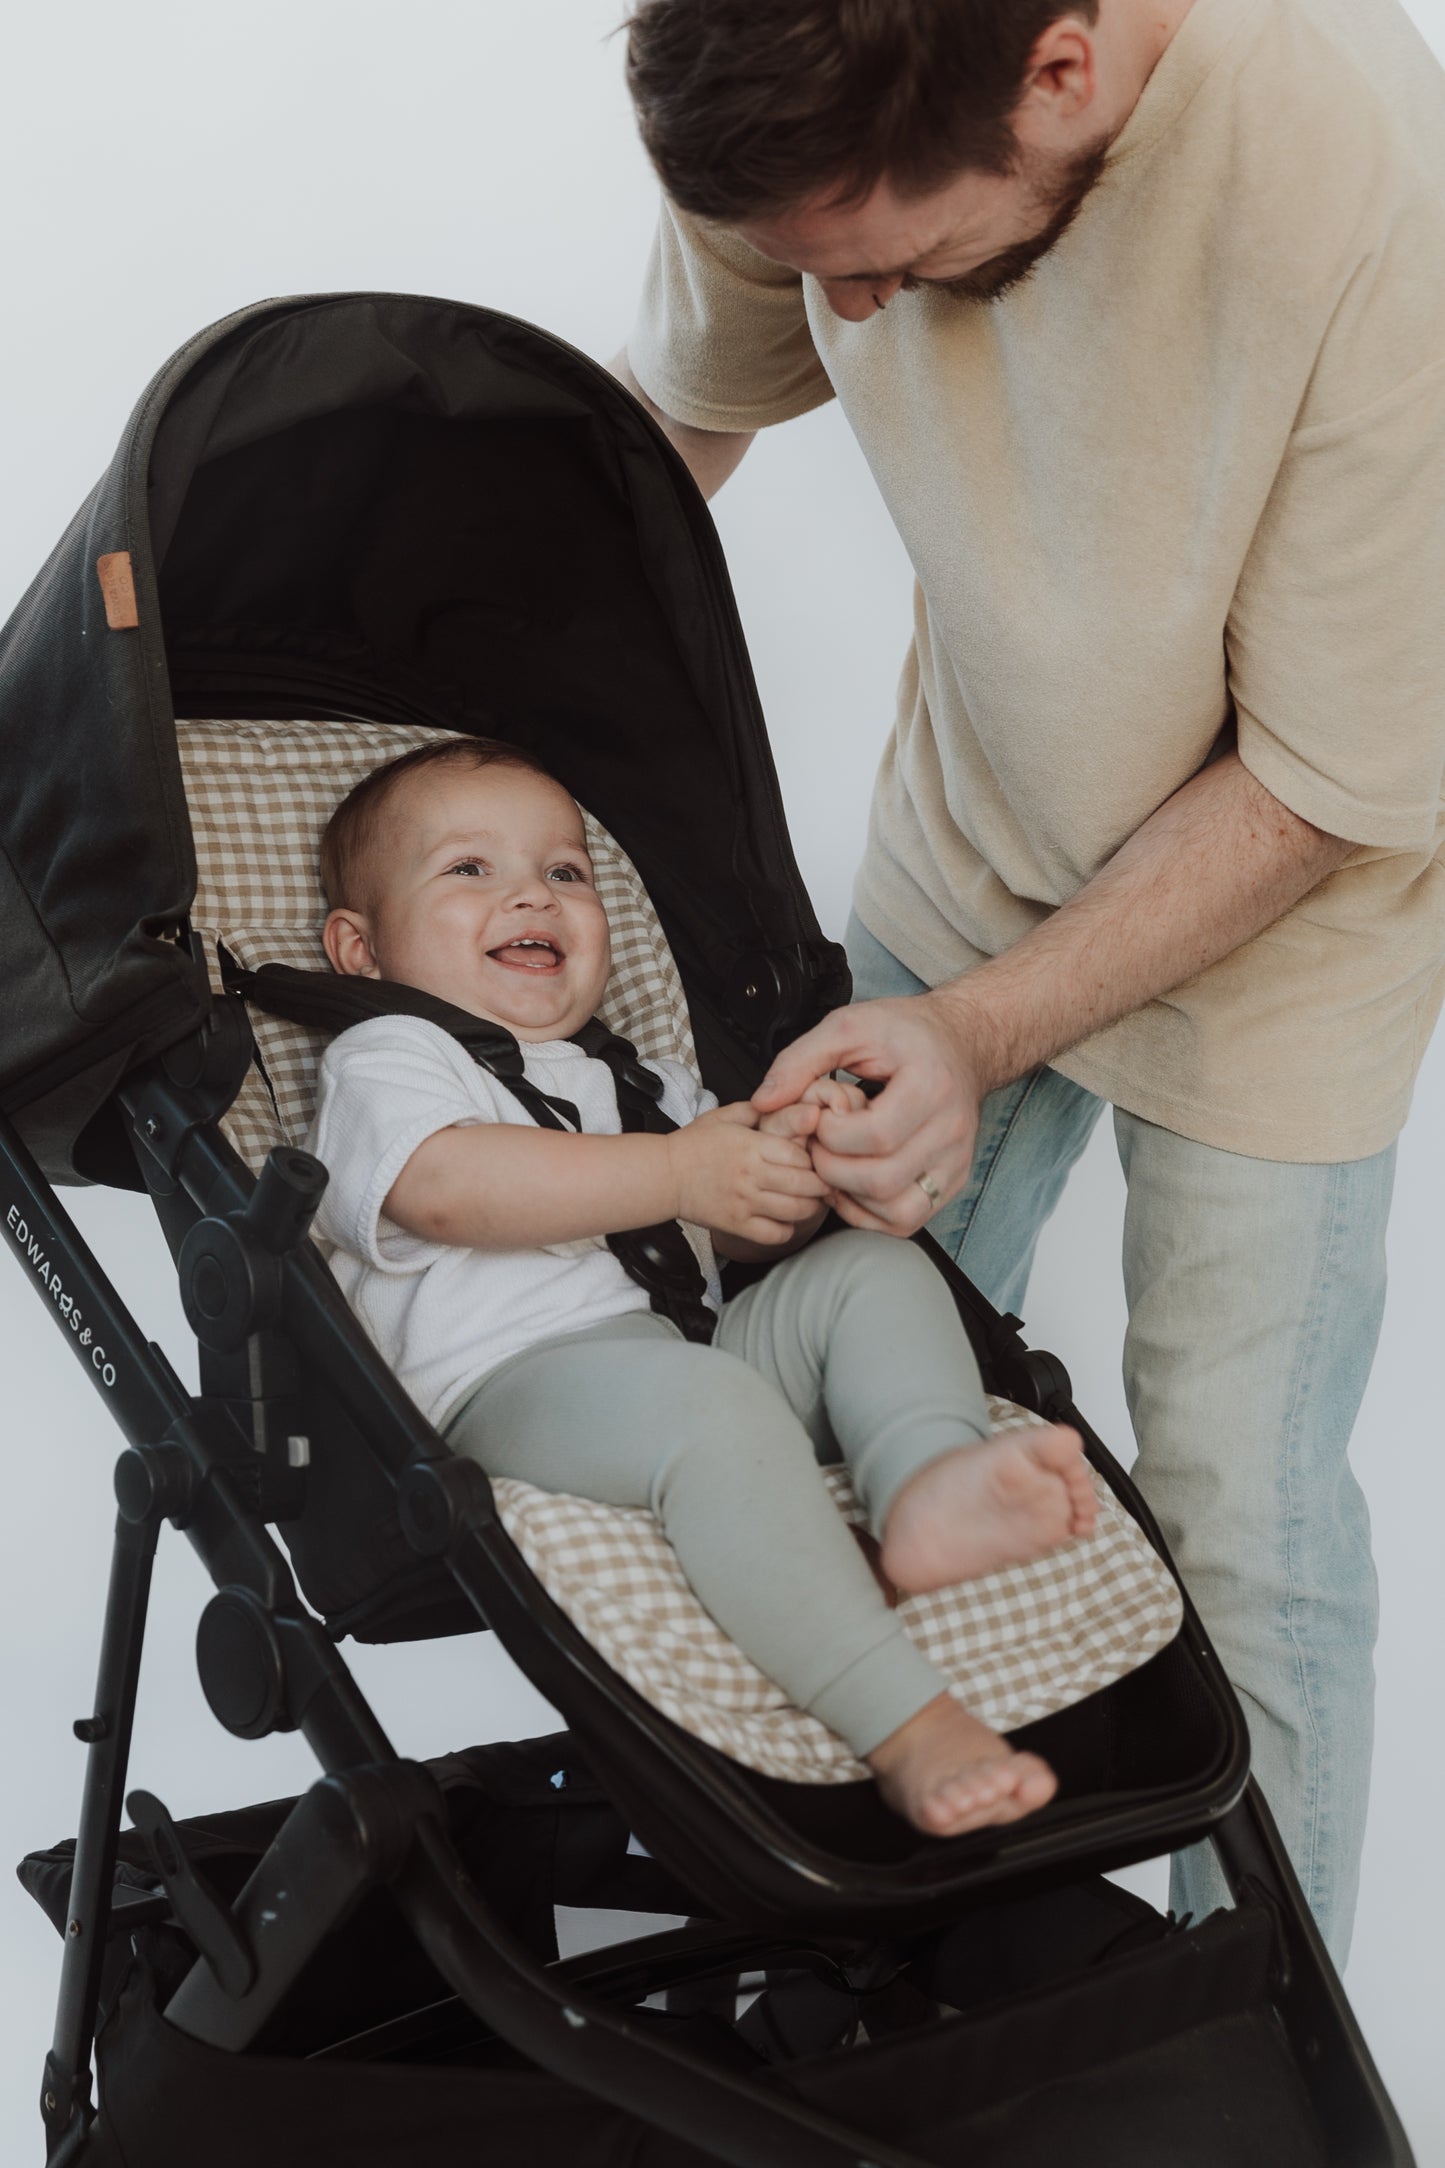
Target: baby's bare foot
(947, 1773)
(1000, 1502)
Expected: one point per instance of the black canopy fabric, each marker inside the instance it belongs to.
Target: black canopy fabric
(403, 510)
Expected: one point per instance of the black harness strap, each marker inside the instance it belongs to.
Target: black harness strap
(660, 1259)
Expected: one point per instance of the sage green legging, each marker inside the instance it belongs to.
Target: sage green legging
(851, 1350)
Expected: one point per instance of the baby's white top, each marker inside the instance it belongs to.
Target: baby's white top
(443, 1317)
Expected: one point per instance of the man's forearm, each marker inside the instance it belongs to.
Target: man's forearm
(1220, 860)
(710, 455)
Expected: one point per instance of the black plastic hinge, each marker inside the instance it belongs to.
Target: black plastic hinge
(1031, 1376)
(209, 1923)
(439, 1501)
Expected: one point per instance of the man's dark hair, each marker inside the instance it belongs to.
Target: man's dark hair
(751, 107)
(352, 831)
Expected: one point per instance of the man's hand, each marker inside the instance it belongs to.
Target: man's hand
(1217, 863)
(800, 1120)
(871, 1152)
(742, 1182)
(826, 1094)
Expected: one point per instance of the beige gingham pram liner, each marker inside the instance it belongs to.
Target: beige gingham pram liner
(1018, 1644)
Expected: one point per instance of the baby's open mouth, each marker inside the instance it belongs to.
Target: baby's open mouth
(532, 952)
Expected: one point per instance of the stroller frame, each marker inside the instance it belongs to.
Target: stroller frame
(268, 1663)
(226, 1464)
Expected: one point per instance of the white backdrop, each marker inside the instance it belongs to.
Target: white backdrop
(167, 162)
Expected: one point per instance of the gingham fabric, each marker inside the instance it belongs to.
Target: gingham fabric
(260, 795)
(1018, 1644)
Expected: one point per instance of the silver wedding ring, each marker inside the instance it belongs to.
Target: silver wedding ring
(930, 1189)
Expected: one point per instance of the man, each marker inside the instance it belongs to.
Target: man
(1138, 312)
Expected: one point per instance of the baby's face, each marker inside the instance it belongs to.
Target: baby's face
(484, 896)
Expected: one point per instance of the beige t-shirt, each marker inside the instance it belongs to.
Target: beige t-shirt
(1188, 479)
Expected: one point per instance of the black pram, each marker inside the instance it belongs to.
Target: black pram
(411, 514)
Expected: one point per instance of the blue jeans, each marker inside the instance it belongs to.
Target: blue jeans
(1255, 1292)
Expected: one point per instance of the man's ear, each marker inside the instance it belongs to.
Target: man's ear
(1061, 79)
(346, 938)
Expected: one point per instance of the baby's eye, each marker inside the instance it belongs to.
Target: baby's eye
(564, 873)
(471, 866)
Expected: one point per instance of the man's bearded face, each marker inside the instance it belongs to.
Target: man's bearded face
(975, 239)
(1059, 203)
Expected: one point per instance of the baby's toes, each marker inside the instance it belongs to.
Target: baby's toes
(965, 1802)
(986, 1796)
(1034, 1782)
(976, 1788)
(944, 1816)
(949, 1810)
(1057, 1448)
(1083, 1504)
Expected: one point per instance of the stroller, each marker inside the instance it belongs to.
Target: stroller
(401, 515)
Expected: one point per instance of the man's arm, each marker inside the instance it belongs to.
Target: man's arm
(710, 455)
(1217, 863)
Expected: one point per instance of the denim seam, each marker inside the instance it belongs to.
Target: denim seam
(1301, 1386)
(995, 1156)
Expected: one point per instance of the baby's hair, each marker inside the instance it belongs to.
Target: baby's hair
(352, 831)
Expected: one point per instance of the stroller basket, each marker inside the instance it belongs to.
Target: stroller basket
(415, 514)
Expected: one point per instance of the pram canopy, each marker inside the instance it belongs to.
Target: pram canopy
(406, 511)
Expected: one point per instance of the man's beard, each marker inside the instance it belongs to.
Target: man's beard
(1072, 182)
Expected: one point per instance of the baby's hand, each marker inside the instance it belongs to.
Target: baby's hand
(740, 1179)
(797, 1121)
(830, 1094)
(827, 1094)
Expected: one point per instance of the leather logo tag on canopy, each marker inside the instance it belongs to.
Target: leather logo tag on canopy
(117, 587)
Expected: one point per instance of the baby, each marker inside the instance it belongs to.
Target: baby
(471, 1243)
